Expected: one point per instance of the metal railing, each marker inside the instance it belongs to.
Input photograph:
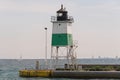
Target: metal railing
(54, 19)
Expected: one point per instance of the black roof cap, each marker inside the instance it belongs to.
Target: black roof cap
(62, 9)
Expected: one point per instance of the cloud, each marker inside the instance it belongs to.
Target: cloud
(108, 5)
(12, 6)
(94, 19)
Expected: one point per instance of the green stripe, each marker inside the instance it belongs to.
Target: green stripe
(62, 39)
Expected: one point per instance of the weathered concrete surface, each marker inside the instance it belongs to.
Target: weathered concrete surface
(86, 74)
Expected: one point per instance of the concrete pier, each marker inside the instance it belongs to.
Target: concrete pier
(70, 74)
(87, 74)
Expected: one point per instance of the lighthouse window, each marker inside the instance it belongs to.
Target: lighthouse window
(59, 24)
(59, 14)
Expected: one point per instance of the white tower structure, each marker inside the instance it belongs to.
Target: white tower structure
(62, 46)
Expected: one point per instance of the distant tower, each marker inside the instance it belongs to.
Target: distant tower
(62, 46)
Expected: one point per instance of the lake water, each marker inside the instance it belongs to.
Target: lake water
(9, 67)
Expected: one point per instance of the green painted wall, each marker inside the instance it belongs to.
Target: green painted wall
(62, 39)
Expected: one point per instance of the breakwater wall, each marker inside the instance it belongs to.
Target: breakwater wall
(86, 74)
(71, 74)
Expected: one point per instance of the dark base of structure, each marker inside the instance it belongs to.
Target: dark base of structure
(86, 74)
(71, 74)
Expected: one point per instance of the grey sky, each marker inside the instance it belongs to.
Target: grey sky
(22, 22)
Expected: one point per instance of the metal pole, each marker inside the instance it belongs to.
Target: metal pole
(46, 46)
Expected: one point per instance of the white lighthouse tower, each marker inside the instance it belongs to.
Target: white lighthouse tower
(62, 46)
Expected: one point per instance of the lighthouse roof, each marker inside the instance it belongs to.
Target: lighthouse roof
(62, 9)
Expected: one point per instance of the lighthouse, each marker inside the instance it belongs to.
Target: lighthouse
(62, 45)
